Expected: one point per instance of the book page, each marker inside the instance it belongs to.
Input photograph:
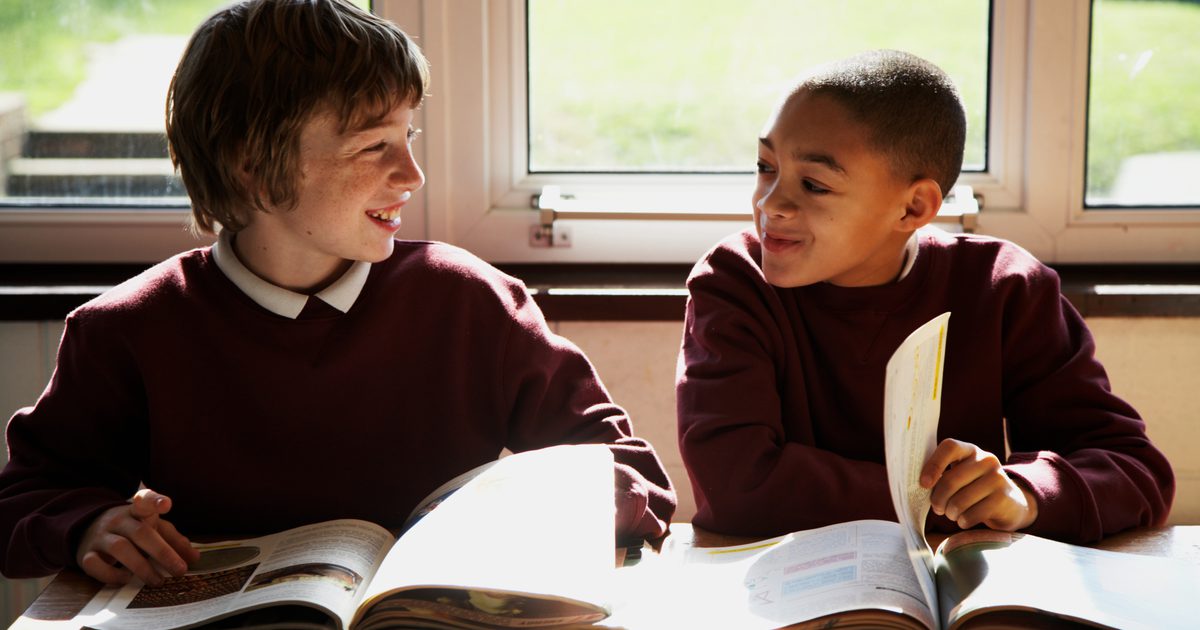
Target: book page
(833, 574)
(533, 528)
(912, 406)
(440, 494)
(327, 565)
(988, 570)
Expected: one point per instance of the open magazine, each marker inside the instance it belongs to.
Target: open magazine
(523, 542)
(881, 574)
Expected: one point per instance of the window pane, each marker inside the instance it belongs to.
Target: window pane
(83, 87)
(1143, 137)
(686, 85)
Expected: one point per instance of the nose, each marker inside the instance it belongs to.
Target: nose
(405, 173)
(774, 203)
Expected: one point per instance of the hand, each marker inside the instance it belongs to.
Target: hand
(133, 539)
(970, 487)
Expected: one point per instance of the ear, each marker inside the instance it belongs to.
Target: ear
(923, 199)
(252, 190)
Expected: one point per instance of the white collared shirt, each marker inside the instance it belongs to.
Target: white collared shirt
(285, 302)
(910, 256)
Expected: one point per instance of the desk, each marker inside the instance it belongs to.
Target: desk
(70, 590)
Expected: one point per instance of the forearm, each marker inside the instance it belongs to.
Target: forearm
(1088, 494)
(752, 486)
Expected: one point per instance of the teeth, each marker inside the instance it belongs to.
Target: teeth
(391, 215)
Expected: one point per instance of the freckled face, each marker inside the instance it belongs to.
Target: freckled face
(826, 203)
(350, 191)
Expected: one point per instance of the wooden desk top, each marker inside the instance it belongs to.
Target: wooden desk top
(70, 590)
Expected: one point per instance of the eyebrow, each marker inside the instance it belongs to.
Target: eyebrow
(823, 159)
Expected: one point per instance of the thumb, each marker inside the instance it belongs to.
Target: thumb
(147, 503)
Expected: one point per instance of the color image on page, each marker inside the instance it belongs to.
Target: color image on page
(912, 402)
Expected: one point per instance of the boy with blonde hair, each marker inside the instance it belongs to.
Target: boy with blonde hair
(308, 366)
(790, 325)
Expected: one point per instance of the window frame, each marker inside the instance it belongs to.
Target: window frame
(1037, 130)
(478, 196)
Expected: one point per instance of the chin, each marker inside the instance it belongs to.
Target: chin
(784, 277)
(786, 280)
(381, 253)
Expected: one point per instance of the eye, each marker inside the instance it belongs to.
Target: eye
(412, 134)
(763, 167)
(814, 188)
(375, 148)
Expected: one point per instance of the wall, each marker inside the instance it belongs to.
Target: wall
(1152, 362)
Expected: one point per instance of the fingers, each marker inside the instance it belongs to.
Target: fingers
(178, 542)
(103, 570)
(973, 488)
(147, 503)
(132, 540)
(947, 454)
(147, 536)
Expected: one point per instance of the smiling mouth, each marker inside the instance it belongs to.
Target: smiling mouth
(776, 244)
(388, 214)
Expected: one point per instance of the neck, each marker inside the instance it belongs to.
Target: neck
(302, 274)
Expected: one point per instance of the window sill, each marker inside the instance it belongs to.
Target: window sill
(595, 292)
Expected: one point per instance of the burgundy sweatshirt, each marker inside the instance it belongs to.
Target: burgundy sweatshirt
(780, 393)
(253, 423)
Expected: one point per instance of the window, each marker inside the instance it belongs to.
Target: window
(486, 169)
(630, 86)
(1047, 85)
(1143, 137)
(84, 172)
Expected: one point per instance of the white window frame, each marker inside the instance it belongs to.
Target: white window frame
(478, 195)
(1032, 192)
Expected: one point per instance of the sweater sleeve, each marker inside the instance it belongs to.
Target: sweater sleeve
(556, 397)
(755, 467)
(1081, 450)
(71, 455)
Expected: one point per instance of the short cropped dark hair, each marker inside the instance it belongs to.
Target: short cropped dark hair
(912, 108)
(254, 73)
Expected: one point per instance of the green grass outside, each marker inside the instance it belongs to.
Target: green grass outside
(722, 80)
(676, 84)
(1145, 86)
(43, 43)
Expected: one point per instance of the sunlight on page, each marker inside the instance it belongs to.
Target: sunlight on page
(912, 407)
(814, 574)
(1119, 590)
(515, 529)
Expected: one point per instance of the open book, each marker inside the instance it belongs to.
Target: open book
(880, 574)
(523, 542)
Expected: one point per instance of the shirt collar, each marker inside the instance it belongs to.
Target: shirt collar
(284, 302)
(910, 256)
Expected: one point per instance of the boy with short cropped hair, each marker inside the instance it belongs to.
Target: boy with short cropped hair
(790, 325)
(307, 366)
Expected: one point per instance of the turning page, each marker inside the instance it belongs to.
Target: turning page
(912, 402)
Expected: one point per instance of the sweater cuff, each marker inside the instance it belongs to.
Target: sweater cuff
(635, 520)
(1058, 496)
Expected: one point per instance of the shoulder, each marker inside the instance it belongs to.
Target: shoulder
(169, 282)
(986, 261)
(736, 259)
(436, 267)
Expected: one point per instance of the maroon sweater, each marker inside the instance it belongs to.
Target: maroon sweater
(780, 393)
(253, 423)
